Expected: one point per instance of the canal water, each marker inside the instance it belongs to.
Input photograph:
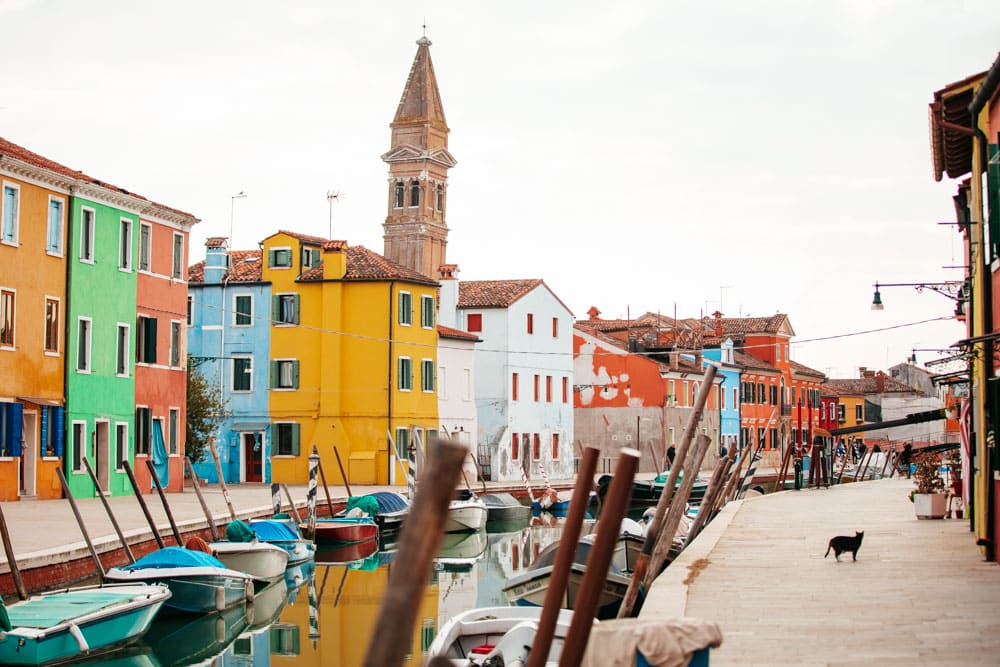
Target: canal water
(324, 613)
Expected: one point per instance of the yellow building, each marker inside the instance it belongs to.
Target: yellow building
(353, 358)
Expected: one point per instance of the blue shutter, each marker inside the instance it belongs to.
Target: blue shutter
(15, 413)
(295, 439)
(59, 430)
(45, 432)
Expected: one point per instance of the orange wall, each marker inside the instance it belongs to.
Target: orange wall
(620, 380)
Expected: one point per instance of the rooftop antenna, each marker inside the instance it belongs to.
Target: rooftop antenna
(331, 197)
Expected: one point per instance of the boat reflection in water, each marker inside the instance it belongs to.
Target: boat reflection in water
(189, 639)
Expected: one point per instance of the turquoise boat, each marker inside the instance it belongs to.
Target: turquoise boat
(78, 623)
(183, 639)
(198, 581)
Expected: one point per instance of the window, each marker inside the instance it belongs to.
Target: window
(440, 197)
(285, 374)
(122, 352)
(555, 446)
(692, 393)
(145, 344)
(121, 445)
(427, 312)
(51, 324)
(83, 344)
(777, 350)
(513, 386)
(9, 206)
(310, 257)
(841, 411)
(177, 266)
(402, 443)
(87, 232)
(286, 439)
(405, 373)
(515, 440)
(145, 246)
(242, 310)
(536, 447)
(243, 373)
(414, 194)
(143, 430)
(548, 388)
(774, 438)
(279, 258)
(565, 390)
(285, 309)
(54, 233)
(190, 310)
(427, 375)
(774, 395)
(535, 384)
(284, 639)
(762, 393)
(174, 416)
(397, 201)
(858, 412)
(442, 383)
(7, 318)
(474, 322)
(555, 327)
(736, 398)
(125, 244)
(531, 323)
(405, 309)
(79, 442)
(722, 397)
(175, 344)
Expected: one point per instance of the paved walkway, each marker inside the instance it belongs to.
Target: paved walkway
(919, 594)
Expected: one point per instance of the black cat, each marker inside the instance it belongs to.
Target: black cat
(844, 543)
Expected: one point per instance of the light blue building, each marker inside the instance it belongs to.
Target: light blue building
(729, 404)
(229, 341)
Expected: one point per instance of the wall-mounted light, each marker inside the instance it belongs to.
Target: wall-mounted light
(953, 289)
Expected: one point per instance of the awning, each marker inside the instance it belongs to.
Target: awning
(40, 401)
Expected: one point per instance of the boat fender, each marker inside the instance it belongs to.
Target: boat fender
(220, 630)
(80, 640)
(220, 598)
(250, 593)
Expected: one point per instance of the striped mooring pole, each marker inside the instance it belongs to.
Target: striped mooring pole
(751, 471)
(276, 498)
(311, 493)
(313, 610)
(411, 472)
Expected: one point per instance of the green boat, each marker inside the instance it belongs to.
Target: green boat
(648, 492)
(75, 624)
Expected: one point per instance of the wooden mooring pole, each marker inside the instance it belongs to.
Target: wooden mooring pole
(142, 503)
(295, 510)
(343, 474)
(222, 480)
(107, 508)
(201, 498)
(8, 549)
(163, 500)
(322, 477)
(707, 508)
(79, 520)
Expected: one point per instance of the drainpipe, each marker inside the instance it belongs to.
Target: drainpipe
(388, 415)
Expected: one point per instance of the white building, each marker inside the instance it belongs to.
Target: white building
(523, 373)
(456, 384)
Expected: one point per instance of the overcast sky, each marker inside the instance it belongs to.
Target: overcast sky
(649, 156)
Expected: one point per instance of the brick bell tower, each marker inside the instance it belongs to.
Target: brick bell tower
(416, 234)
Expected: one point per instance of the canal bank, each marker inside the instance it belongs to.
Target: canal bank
(919, 593)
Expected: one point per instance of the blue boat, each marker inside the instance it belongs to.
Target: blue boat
(198, 581)
(184, 639)
(284, 534)
(389, 508)
(77, 623)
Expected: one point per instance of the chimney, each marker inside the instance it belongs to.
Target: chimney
(334, 260)
(863, 372)
(216, 259)
(718, 323)
(448, 295)
(674, 357)
(593, 313)
(880, 382)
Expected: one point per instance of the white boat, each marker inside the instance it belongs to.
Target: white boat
(466, 516)
(262, 561)
(493, 633)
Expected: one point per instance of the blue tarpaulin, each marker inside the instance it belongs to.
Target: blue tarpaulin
(160, 454)
(175, 557)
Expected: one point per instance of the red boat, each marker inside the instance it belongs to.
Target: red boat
(346, 553)
(344, 530)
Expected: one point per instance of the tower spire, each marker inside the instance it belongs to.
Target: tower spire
(415, 232)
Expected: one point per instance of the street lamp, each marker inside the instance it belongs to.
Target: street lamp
(956, 290)
(232, 214)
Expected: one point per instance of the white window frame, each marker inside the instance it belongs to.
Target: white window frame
(149, 248)
(277, 373)
(15, 242)
(399, 377)
(176, 346)
(124, 458)
(88, 229)
(81, 449)
(59, 252)
(291, 258)
(175, 429)
(423, 365)
(90, 345)
(126, 352)
(296, 301)
(424, 300)
(249, 295)
(276, 440)
(13, 318)
(177, 257)
(59, 315)
(125, 263)
(232, 374)
(399, 309)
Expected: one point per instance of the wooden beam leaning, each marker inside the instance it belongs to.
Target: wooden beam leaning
(8, 549)
(163, 499)
(79, 520)
(201, 499)
(107, 509)
(419, 541)
(564, 559)
(295, 510)
(656, 525)
(733, 486)
(707, 508)
(142, 503)
(340, 464)
(322, 477)
(222, 480)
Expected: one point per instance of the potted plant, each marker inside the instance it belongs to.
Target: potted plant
(929, 498)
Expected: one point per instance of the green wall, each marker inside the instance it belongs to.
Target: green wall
(107, 295)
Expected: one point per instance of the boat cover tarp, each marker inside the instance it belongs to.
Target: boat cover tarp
(4, 618)
(239, 531)
(670, 643)
(50, 610)
(273, 531)
(366, 504)
(388, 501)
(175, 557)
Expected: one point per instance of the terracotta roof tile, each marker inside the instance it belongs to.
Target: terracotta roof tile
(364, 264)
(751, 362)
(215, 241)
(752, 325)
(315, 273)
(245, 267)
(316, 240)
(802, 369)
(334, 246)
(863, 386)
(493, 293)
(448, 332)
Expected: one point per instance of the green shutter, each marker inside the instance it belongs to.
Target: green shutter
(274, 374)
(295, 309)
(295, 439)
(272, 258)
(295, 374)
(275, 307)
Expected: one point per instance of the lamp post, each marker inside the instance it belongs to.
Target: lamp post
(957, 290)
(232, 214)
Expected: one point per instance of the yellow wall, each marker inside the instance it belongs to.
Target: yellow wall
(345, 387)
(850, 404)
